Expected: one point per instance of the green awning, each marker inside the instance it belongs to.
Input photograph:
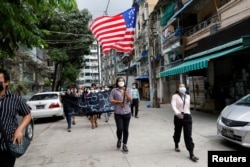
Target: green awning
(168, 13)
(197, 64)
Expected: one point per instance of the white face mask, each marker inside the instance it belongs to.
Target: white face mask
(106, 88)
(121, 84)
(133, 87)
(182, 90)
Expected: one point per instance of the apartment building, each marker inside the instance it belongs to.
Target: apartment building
(204, 44)
(29, 70)
(91, 72)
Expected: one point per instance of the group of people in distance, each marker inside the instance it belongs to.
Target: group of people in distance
(121, 96)
(71, 107)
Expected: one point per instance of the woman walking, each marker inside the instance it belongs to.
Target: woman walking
(183, 119)
(121, 98)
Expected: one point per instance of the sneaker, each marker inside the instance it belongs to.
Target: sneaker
(118, 145)
(69, 130)
(73, 122)
(125, 148)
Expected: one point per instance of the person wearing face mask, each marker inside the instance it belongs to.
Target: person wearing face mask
(121, 98)
(135, 100)
(182, 119)
(11, 105)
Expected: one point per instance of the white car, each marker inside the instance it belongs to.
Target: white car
(46, 104)
(233, 124)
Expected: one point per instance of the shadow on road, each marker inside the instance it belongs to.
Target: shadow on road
(46, 120)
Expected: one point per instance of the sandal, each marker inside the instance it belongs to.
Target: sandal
(194, 158)
(177, 150)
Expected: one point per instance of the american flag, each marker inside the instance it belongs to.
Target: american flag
(115, 32)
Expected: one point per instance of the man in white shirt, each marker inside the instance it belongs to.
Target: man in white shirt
(135, 100)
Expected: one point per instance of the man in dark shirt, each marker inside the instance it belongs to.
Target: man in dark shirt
(11, 105)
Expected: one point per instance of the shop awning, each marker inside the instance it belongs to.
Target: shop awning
(140, 77)
(197, 64)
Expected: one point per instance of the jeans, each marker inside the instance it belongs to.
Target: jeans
(122, 126)
(6, 159)
(68, 115)
(106, 115)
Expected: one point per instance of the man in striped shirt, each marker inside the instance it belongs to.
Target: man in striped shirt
(11, 105)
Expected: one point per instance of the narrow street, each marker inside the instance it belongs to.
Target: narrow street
(150, 142)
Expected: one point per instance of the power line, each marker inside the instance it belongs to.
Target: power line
(67, 33)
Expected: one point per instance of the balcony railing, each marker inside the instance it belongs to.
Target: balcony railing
(202, 25)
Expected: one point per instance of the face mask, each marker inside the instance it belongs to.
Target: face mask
(106, 88)
(1, 86)
(92, 91)
(96, 91)
(88, 91)
(133, 87)
(121, 84)
(182, 90)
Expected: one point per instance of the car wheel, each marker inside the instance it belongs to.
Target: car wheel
(29, 131)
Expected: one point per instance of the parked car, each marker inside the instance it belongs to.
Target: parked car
(233, 124)
(29, 130)
(46, 104)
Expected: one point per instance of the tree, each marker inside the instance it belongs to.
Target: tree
(19, 22)
(68, 40)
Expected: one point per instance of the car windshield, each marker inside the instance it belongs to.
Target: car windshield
(44, 97)
(244, 101)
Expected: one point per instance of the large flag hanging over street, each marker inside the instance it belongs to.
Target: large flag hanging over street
(115, 32)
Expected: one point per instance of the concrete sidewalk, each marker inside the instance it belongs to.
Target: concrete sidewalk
(150, 142)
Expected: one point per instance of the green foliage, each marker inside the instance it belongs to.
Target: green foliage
(20, 87)
(68, 40)
(47, 83)
(19, 22)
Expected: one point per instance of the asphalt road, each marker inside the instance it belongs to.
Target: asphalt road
(150, 142)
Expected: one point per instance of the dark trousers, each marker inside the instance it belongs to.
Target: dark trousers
(122, 125)
(7, 159)
(135, 104)
(68, 114)
(186, 123)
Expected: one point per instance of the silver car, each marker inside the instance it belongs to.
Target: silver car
(233, 124)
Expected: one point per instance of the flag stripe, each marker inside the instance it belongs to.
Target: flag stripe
(115, 32)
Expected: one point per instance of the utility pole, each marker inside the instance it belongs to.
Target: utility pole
(149, 53)
(151, 61)
(106, 11)
(156, 104)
